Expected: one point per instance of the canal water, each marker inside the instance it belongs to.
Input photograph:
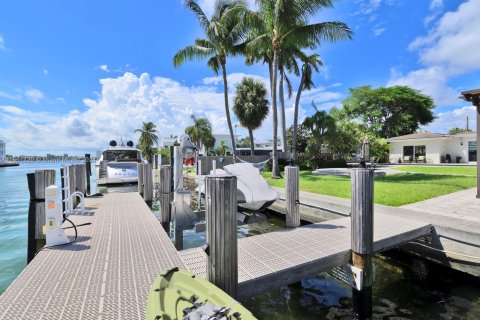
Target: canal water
(404, 288)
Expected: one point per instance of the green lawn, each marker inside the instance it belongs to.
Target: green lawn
(471, 171)
(391, 190)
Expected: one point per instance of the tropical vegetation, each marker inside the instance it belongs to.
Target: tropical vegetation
(222, 148)
(201, 133)
(148, 139)
(250, 106)
(223, 34)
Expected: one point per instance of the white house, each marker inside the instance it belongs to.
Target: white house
(427, 147)
(3, 151)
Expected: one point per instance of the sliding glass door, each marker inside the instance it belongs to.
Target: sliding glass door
(472, 151)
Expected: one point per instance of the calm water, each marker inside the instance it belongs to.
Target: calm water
(400, 290)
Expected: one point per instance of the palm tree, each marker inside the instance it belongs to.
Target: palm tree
(250, 106)
(309, 63)
(284, 24)
(148, 138)
(223, 32)
(209, 143)
(320, 124)
(200, 132)
(222, 148)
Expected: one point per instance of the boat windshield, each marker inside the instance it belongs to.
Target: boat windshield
(121, 155)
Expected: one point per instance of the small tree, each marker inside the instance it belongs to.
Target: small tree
(250, 106)
(222, 148)
(321, 125)
(148, 138)
(200, 132)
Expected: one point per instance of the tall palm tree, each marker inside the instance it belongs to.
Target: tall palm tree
(309, 63)
(250, 106)
(222, 148)
(148, 138)
(223, 32)
(283, 24)
(200, 132)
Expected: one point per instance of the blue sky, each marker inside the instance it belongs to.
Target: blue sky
(75, 74)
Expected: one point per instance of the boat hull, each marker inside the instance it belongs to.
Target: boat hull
(117, 173)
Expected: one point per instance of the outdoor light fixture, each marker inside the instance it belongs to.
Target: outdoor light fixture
(461, 143)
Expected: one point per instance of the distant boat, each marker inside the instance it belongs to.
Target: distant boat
(118, 164)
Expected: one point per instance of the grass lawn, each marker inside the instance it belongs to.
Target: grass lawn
(471, 171)
(392, 190)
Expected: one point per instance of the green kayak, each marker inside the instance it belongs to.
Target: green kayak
(179, 294)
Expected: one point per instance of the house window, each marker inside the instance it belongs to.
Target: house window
(407, 153)
(472, 150)
(420, 152)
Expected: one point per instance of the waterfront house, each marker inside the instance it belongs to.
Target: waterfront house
(435, 148)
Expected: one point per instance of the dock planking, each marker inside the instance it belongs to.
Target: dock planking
(279, 258)
(106, 274)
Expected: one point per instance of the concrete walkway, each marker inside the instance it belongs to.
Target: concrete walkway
(461, 204)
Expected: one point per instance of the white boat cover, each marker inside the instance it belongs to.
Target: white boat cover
(254, 192)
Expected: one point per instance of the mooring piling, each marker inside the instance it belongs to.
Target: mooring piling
(88, 171)
(221, 222)
(292, 195)
(37, 182)
(140, 178)
(147, 182)
(362, 240)
(165, 196)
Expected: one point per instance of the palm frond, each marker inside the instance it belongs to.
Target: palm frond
(194, 52)
(201, 16)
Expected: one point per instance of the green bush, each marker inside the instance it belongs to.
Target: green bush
(323, 164)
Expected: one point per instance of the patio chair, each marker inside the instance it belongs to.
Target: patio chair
(406, 159)
(421, 159)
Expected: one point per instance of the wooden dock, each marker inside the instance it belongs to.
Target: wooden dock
(107, 273)
(278, 258)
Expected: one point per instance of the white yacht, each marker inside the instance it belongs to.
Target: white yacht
(118, 164)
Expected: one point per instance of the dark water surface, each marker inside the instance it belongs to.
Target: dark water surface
(404, 288)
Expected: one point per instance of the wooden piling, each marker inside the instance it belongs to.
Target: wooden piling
(221, 223)
(140, 178)
(362, 239)
(37, 182)
(292, 195)
(165, 195)
(147, 182)
(88, 171)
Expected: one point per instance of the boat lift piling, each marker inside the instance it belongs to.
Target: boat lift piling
(362, 241)
(221, 223)
(165, 196)
(292, 196)
(37, 182)
(88, 171)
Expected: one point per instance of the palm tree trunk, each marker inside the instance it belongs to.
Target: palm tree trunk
(275, 168)
(227, 110)
(252, 144)
(295, 120)
(282, 111)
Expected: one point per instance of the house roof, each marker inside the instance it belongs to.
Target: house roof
(419, 135)
(429, 135)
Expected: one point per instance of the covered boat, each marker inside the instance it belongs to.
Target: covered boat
(253, 192)
(118, 164)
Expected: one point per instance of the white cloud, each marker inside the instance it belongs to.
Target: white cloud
(121, 106)
(453, 41)
(34, 95)
(208, 6)
(10, 96)
(103, 67)
(2, 43)
(45, 71)
(431, 81)
(448, 50)
(436, 4)
(378, 31)
(456, 118)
